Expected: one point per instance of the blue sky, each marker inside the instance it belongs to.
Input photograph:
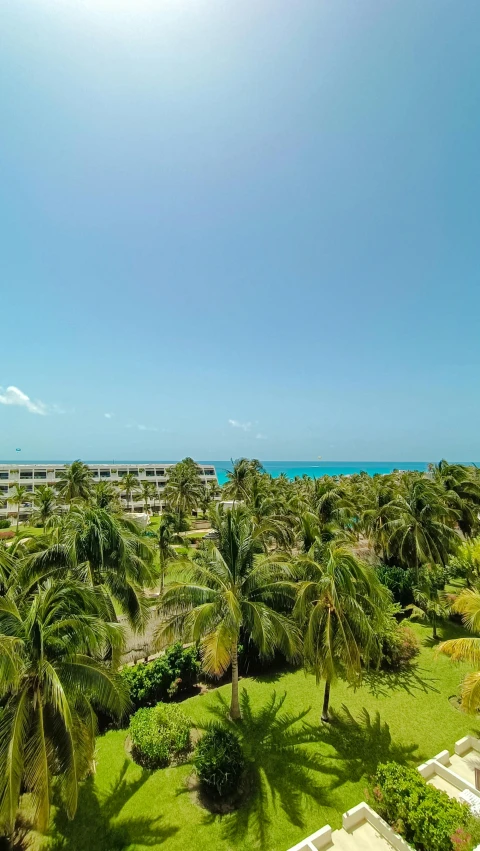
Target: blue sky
(242, 228)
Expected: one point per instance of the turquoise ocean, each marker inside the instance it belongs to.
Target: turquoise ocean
(315, 469)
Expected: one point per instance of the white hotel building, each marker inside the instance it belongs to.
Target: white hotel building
(30, 476)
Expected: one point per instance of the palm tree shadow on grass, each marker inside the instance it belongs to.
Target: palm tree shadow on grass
(280, 769)
(361, 745)
(410, 679)
(94, 825)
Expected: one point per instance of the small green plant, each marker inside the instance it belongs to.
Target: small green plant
(400, 646)
(4, 523)
(174, 672)
(219, 761)
(159, 735)
(425, 816)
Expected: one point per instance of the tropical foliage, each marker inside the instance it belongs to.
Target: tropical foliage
(233, 586)
(305, 570)
(52, 681)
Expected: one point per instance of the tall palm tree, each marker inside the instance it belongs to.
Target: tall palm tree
(461, 492)
(340, 606)
(233, 586)
(467, 604)
(51, 685)
(18, 495)
(148, 492)
(184, 489)
(46, 508)
(105, 495)
(418, 525)
(107, 552)
(239, 478)
(429, 598)
(74, 482)
(167, 537)
(129, 484)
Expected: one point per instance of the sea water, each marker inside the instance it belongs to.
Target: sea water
(315, 469)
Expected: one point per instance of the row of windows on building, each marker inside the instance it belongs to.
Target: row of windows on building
(102, 474)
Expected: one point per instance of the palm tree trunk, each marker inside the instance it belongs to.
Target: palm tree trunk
(162, 575)
(18, 516)
(326, 701)
(434, 624)
(235, 713)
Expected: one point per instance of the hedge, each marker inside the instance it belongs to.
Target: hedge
(426, 817)
(149, 682)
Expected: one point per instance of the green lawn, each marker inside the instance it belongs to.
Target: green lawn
(126, 807)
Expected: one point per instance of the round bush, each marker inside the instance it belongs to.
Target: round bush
(4, 523)
(400, 646)
(159, 735)
(219, 761)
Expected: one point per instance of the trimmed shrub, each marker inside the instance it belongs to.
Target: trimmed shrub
(425, 816)
(219, 761)
(162, 679)
(400, 646)
(159, 735)
(4, 523)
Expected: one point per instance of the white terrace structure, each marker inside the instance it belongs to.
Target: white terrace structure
(31, 476)
(457, 774)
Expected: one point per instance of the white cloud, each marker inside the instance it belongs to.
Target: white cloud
(108, 416)
(237, 424)
(141, 427)
(14, 396)
(261, 436)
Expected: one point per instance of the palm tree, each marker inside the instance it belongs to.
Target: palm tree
(147, 491)
(51, 685)
(233, 587)
(418, 525)
(461, 492)
(239, 478)
(45, 501)
(105, 495)
(467, 604)
(166, 552)
(129, 484)
(18, 495)
(74, 482)
(340, 607)
(429, 599)
(104, 550)
(184, 488)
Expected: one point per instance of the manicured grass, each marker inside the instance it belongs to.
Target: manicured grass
(126, 807)
(26, 531)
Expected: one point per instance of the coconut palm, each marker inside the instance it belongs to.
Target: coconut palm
(147, 492)
(129, 484)
(18, 495)
(74, 482)
(46, 507)
(51, 685)
(418, 525)
(467, 604)
(430, 602)
(232, 586)
(105, 495)
(167, 537)
(239, 478)
(183, 492)
(461, 492)
(104, 550)
(340, 607)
